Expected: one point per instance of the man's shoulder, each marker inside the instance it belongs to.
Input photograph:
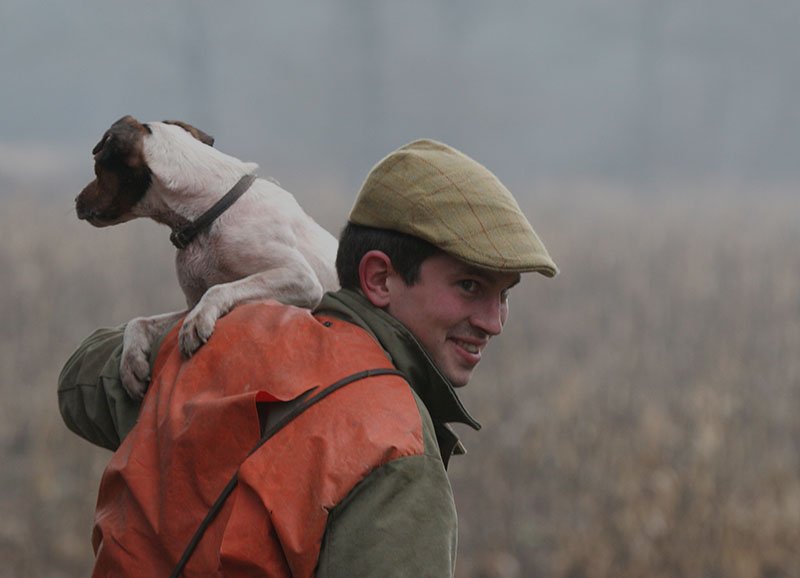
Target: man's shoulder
(281, 353)
(269, 322)
(296, 350)
(268, 343)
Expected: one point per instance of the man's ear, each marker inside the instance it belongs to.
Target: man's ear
(374, 271)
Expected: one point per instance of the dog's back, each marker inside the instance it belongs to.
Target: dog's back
(250, 237)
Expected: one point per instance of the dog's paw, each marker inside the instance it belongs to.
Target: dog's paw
(134, 368)
(197, 328)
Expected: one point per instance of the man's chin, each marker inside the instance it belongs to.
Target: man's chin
(460, 378)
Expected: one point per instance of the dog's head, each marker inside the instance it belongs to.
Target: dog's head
(122, 174)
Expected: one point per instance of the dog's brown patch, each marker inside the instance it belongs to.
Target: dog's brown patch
(122, 143)
(203, 137)
(122, 175)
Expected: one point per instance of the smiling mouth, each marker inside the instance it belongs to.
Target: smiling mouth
(468, 347)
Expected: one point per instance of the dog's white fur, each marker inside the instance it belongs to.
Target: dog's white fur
(263, 246)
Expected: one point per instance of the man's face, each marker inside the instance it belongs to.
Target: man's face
(453, 310)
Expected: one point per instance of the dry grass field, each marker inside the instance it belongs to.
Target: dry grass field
(640, 413)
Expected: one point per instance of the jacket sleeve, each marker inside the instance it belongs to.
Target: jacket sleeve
(399, 522)
(91, 398)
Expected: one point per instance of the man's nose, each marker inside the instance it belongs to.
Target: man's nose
(489, 317)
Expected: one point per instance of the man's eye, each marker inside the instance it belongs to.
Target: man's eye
(469, 285)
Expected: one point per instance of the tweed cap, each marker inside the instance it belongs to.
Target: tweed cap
(436, 193)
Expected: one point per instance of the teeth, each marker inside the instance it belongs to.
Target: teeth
(469, 347)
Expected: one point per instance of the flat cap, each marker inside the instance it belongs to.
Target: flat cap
(434, 192)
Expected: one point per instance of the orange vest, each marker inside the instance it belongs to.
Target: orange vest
(199, 421)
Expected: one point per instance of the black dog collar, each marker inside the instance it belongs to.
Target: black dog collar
(181, 237)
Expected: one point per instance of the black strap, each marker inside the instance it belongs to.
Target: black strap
(271, 431)
(182, 236)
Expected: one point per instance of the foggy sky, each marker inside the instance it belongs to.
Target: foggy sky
(622, 90)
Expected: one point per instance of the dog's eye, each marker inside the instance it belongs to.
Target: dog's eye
(147, 128)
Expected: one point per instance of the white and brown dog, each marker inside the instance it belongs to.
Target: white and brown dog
(239, 238)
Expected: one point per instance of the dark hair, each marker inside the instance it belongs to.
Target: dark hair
(406, 252)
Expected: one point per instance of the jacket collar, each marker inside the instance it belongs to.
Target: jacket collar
(407, 355)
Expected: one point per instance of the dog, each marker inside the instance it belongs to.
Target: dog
(256, 242)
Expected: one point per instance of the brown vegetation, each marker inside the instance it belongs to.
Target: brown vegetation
(640, 413)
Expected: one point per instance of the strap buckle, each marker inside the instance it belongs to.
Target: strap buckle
(180, 238)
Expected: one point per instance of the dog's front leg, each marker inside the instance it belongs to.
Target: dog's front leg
(137, 344)
(291, 281)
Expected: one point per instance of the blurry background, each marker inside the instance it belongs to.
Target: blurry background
(640, 414)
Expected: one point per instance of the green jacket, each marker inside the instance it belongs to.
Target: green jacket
(412, 497)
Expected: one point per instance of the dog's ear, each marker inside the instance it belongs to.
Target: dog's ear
(194, 131)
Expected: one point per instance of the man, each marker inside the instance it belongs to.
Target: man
(356, 484)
